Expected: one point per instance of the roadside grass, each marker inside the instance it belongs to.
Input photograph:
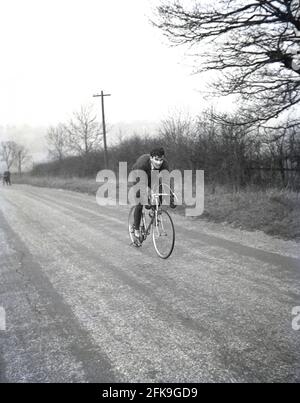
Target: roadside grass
(276, 212)
(273, 211)
(82, 185)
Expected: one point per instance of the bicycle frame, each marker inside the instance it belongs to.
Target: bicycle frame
(155, 208)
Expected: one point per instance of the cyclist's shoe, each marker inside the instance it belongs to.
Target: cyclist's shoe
(137, 244)
(172, 204)
(137, 238)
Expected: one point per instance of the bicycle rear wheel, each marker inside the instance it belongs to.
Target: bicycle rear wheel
(163, 234)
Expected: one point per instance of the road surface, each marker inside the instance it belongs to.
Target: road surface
(83, 306)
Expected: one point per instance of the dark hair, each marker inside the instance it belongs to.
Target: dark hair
(157, 152)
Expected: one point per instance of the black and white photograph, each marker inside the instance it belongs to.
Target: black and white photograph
(149, 194)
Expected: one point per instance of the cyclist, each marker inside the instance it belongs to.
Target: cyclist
(6, 178)
(147, 162)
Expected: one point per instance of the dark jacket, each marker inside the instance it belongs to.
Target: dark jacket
(143, 163)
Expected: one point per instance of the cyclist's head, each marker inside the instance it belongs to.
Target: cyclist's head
(157, 157)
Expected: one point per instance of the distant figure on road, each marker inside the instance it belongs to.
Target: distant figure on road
(6, 178)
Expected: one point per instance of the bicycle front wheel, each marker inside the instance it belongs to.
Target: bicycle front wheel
(163, 234)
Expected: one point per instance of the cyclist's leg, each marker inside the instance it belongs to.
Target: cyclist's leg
(137, 212)
(137, 216)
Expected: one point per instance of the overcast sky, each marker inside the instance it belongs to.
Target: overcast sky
(55, 54)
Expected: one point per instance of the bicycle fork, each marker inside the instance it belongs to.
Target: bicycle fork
(159, 225)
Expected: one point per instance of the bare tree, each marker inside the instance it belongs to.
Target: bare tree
(57, 141)
(22, 157)
(284, 150)
(177, 133)
(8, 153)
(84, 132)
(254, 43)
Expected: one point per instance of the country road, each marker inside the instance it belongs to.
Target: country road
(82, 305)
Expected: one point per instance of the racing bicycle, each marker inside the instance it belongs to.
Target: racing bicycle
(157, 220)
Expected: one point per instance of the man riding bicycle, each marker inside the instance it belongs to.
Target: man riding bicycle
(147, 162)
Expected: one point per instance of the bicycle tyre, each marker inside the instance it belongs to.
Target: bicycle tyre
(163, 253)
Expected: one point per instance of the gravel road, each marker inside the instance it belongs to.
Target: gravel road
(82, 305)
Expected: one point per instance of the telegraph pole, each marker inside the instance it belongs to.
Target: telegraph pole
(103, 126)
